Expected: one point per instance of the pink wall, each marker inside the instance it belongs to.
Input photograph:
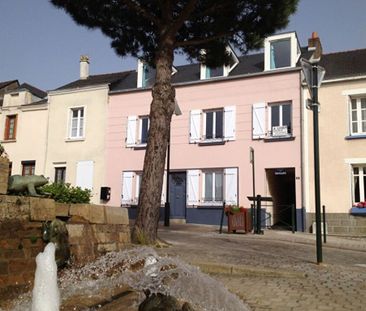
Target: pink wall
(242, 93)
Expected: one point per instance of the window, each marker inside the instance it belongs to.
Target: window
(217, 185)
(221, 71)
(143, 129)
(60, 174)
(211, 126)
(148, 76)
(280, 119)
(359, 183)
(213, 186)
(131, 184)
(137, 131)
(214, 122)
(281, 51)
(272, 120)
(10, 127)
(77, 123)
(28, 167)
(358, 116)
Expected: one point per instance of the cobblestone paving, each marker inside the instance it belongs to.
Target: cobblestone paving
(338, 284)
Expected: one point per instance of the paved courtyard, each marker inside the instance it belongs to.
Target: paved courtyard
(277, 270)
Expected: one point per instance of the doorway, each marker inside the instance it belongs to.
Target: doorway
(281, 183)
(177, 195)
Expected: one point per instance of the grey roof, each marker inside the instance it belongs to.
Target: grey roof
(344, 64)
(35, 91)
(109, 78)
(337, 65)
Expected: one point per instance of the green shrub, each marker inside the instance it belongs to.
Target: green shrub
(65, 193)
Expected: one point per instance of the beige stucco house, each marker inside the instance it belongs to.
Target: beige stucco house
(342, 140)
(23, 127)
(77, 130)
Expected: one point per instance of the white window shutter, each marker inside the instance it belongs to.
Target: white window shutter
(127, 178)
(84, 174)
(231, 186)
(229, 122)
(258, 120)
(192, 187)
(131, 131)
(195, 126)
(163, 191)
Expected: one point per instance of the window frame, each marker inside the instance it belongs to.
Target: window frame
(280, 121)
(359, 111)
(71, 118)
(295, 51)
(7, 127)
(361, 182)
(139, 141)
(214, 125)
(28, 164)
(213, 172)
(63, 178)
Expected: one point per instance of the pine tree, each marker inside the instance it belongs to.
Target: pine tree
(154, 30)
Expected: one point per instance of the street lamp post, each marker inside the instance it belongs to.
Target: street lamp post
(314, 75)
(177, 112)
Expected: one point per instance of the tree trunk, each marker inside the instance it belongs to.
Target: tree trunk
(161, 111)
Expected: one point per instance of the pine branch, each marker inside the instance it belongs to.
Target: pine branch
(135, 6)
(183, 16)
(181, 44)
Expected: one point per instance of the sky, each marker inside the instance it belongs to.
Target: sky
(41, 45)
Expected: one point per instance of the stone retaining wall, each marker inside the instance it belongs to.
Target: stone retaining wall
(93, 230)
(341, 224)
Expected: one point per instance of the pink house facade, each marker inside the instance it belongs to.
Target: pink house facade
(223, 115)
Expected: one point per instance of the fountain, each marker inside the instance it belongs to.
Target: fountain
(46, 296)
(139, 269)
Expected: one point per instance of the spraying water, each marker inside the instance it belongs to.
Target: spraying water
(141, 268)
(46, 296)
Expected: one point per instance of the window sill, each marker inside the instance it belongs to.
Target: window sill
(209, 142)
(8, 141)
(74, 139)
(139, 146)
(273, 139)
(350, 137)
(358, 211)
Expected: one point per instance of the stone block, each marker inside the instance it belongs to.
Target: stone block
(107, 247)
(116, 215)
(76, 232)
(4, 174)
(4, 267)
(42, 209)
(62, 209)
(21, 265)
(124, 238)
(97, 214)
(81, 210)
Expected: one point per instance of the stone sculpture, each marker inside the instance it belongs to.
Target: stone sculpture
(19, 184)
(55, 231)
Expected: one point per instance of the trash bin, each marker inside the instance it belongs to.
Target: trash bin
(238, 219)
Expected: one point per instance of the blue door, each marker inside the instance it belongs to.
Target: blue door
(177, 195)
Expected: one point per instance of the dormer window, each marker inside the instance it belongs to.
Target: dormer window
(145, 75)
(281, 51)
(222, 71)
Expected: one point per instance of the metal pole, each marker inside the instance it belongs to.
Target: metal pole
(258, 230)
(293, 217)
(167, 203)
(319, 255)
(324, 226)
(253, 182)
(222, 217)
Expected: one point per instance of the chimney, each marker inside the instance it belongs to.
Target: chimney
(315, 46)
(84, 67)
